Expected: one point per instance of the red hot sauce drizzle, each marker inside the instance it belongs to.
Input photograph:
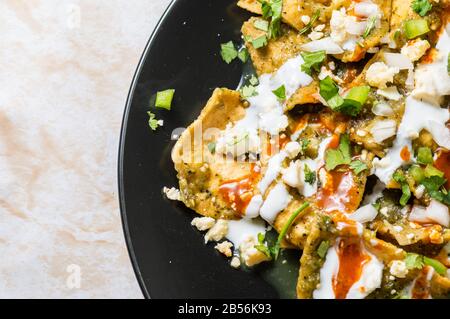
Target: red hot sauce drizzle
(352, 259)
(238, 192)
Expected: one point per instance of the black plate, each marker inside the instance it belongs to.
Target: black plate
(169, 257)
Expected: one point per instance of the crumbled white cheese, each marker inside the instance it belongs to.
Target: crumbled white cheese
(398, 228)
(218, 231)
(203, 223)
(432, 79)
(172, 193)
(415, 49)
(320, 27)
(249, 254)
(379, 74)
(225, 248)
(292, 149)
(235, 262)
(238, 142)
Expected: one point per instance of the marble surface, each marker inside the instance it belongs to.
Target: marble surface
(65, 70)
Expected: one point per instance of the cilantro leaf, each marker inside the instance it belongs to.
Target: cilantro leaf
(414, 261)
(433, 185)
(312, 60)
(228, 52)
(259, 42)
(353, 102)
(275, 250)
(280, 93)
(421, 7)
(304, 144)
(243, 55)
(153, 122)
(340, 156)
(261, 246)
(310, 176)
(328, 89)
(248, 91)
(262, 25)
(323, 248)
(272, 9)
(253, 80)
(358, 166)
(400, 178)
(309, 26)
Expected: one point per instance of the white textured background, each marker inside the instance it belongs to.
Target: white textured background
(65, 70)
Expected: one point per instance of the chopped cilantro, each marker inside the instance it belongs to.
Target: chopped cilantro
(275, 250)
(323, 248)
(272, 9)
(370, 26)
(339, 156)
(243, 55)
(228, 52)
(280, 93)
(421, 7)
(153, 122)
(328, 89)
(358, 166)
(164, 99)
(262, 247)
(434, 186)
(310, 176)
(351, 104)
(400, 178)
(253, 80)
(259, 42)
(304, 144)
(309, 26)
(262, 25)
(312, 60)
(414, 261)
(248, 91)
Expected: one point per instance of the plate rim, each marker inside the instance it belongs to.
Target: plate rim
(121, 150)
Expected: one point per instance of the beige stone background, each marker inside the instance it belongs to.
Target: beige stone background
(65, 70)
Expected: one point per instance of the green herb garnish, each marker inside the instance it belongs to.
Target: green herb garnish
(309, 26)
(153, 122)
(280, 93)
(351, 104)
(310, 176)
(400, 178)
(259, 42)
(248, 91)
(435, 188)
(272, 9)
(243, 55)
(262, 247)
(339, 156)
(312, 60)
(358, 166)
(164, 99)
(275, 250)
(416, 261)
(371, 21)
(262, 25)
(228, 52)
(421, 7)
